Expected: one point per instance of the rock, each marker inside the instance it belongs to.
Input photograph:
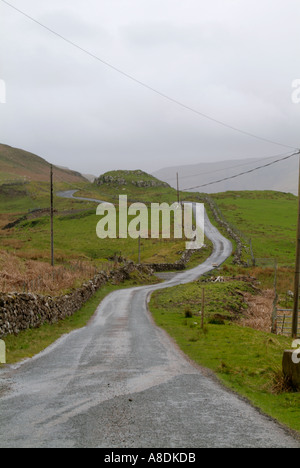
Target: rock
(291, 369)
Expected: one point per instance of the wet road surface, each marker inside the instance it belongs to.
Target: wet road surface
(122, 382)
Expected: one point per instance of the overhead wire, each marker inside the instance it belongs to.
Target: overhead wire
(238, 175)
(143, 84)
(169, 179)
(241, 173)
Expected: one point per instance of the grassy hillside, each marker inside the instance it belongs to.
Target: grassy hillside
(17, 164)
(137, 185)
(269, 218)
(25, 226)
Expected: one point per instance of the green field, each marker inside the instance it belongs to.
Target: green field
(268, 218)
(246, 360)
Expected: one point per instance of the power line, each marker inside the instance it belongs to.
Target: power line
(145, 85)
(242, 173)
(224, 168)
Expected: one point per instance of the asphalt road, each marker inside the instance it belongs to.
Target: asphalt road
(121, 382)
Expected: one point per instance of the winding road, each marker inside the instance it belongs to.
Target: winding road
(121, 382)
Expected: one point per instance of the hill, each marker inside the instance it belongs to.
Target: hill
(136, 184)
(282, 177)
(17, 164)
(136, 178)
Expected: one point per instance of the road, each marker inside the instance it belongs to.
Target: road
(121, 382)
(70, 194)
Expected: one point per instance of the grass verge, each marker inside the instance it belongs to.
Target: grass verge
(30, 342)
(247, 361)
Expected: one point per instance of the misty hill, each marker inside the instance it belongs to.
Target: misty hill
(17, 164)
(282, 176)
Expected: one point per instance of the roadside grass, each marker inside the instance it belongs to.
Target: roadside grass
(30, 342)
(199, 256)
(246, 360)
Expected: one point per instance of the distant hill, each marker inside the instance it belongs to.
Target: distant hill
(282, 176)
(90, 177)
(17, 164)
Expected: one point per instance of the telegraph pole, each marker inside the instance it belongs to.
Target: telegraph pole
(51, 215)
(178, 199)
(297, 271)
(139, 256)
(203, 307)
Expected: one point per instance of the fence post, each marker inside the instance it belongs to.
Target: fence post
(202, 308)
(2, 352)
(274, 314)
(252, 254)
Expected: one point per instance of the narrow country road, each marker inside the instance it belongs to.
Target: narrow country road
(120, 382)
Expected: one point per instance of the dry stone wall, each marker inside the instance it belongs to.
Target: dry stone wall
(237, 255)
(20, 311)
(179, 265)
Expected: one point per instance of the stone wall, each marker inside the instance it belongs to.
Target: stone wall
(237, 255)
(176, 266)
(20, 311)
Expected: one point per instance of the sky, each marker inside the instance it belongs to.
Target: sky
(233, 60)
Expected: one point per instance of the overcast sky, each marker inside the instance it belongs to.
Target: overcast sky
(234, 60)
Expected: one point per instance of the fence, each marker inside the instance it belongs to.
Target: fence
(281, 317)
(284, 320)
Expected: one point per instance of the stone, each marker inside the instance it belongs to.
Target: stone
(292, 369)
(2, 352)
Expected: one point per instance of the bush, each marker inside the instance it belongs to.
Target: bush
(188, 313)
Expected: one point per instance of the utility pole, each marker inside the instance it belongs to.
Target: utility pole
(297, 271)
(178, 199)
(139, 259)
(51, 215)
(202, 308)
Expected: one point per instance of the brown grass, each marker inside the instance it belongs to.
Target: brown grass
(266, 276)
(281, 383)
(19, 275)
(259, 312)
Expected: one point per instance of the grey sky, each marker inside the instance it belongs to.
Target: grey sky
(234, 60)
